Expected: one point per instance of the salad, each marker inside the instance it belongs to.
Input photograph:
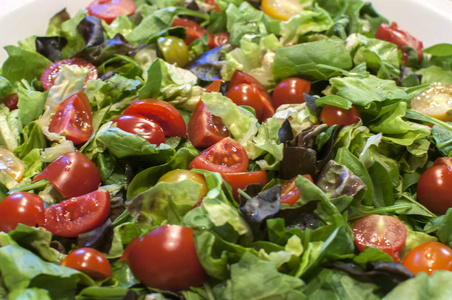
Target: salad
(225, 149)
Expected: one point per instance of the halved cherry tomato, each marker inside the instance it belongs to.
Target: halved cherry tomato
(290, 91)
(396, 35)
(429, 257)
(246, 94)
(434, 188)
(51, 73)
(173, 49)
(10, 101)
(162, 113)
(109, 10)
(219, 39)
(11, 165)
(79, 214)
(214, 4)
(23, 207)
(73, 119)
(205, 129)
(281, 9)
(146, 128)
(179, 175)
(72, 174)
(240, 180)
(192, 30)
(166, 259)
(383, 232)
(435, 102)
(333, 115)
(89, 261)
(226, 156)
(289, 191)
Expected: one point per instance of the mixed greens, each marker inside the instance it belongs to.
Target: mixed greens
(258, 248)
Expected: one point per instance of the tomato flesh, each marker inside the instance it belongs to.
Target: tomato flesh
(219, 39)
(23, 207)
(179, 175)
(89, 261)
(72, 174)
(11, 165)
(290, 91)
(166, 259)
(332, 115)
(73, 119)
(281, 9)
(192, 30)
(429, 257)
(241, 179)
(225, 156)
(50, 74)
(386, 233)
(149, 130)
(289, 191)
(79, 214)
(109, 10)
(162, 113)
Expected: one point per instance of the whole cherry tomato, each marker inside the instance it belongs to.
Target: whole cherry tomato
(148, 129)
(173, 49)
(89, 261)
(51, 73)
(246, 94)
(429, 257)
(79, 214)
(73, 119)
(289, 191)
(332, 115)
(109, 10)
(179, 175)
(226, 156)
(23, 207)
(166, 259)
(240, 180)
(72, 174)
(383, 232)
(290, 91)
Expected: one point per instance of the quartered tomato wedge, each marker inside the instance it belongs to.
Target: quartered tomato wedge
(11, 165)
(214, 5)
(226, 156)
(79, 214)
(51, 73)
(219, 39)
(89, 261)
(72, 174)
(23, 207)
(205, 129)
(109, 10)
(240, 180)
(281, 9)
(192, 30)
(146, 128)
(162, 113)
(73, 119)
(289, 191)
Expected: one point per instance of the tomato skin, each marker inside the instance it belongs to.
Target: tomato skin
(192, 30)
(51, 73)
(219, 39)
(174, 50)
(214, 4)
(109, 10)
(290, 91)
(429, 257)
(289, 191)
(245, 94)
(332, 115)
(240, 180)
(72, 174)
(22, 207)
(73, 119)
(149, 130)
(10, 101)
(226, 156)
(434, 189)
(386, 233)
(79, 214)
(162, 113)
(178, 175)
(166, 259)
(89, 261)
(396, 35)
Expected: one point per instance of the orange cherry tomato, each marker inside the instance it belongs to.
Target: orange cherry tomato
(429, 257)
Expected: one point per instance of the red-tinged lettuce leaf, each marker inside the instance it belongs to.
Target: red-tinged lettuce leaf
(92, 31)
(50, 46)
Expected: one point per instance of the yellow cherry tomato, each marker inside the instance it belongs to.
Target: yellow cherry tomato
(435, 102)
(174, 50)
(281, 9)
(11, 165)
(179, 175)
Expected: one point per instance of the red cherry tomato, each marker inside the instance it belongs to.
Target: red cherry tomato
(72, 174)
(162, 113)
(149, 130)
(383, 232)
(10, 101)
(166, 259)
(109, 10)
(79, 214)
(192, 30)
(396, 35)
(241, 179)
(226, 156)
(51, 73)
(89, 261)
(219, 39)
(332, 115)
(214, 4)
(289, 191)
(23, 207)
(429, 257)
(290, 91)
(205, 129)
(245, 94)
(434, 188)
(73, 119)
